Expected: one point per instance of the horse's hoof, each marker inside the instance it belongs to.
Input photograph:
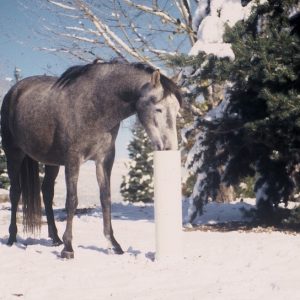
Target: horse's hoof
(115, 250)
(56, 242)
(11, 241)
(67, 254)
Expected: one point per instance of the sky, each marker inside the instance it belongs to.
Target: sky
(19, 43)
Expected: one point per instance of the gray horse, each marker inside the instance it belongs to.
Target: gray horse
(74, 118)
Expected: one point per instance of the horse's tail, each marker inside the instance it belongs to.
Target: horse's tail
(31, 197)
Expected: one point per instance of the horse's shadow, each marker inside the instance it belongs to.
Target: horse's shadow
(24, 243)
(94, 248)
(132, 252)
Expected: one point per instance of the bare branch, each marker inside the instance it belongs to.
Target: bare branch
(83, 29)
(160, 52)
(69, 16)
(117, 26)
(110, 37)
(79, 38)
(101, 28)
(64, 6)
(163, 15)
(121, 26)
(184, 9)
(134, 30)
(65, 50)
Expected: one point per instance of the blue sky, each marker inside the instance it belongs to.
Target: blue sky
(19, 44)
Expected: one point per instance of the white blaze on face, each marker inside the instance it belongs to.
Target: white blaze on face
(158, 114)
(164, 115)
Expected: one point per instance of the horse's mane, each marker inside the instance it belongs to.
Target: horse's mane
(72, 73)
(170, 87)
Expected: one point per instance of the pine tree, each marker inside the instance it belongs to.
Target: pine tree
(4, 181)
(255, 130)
(138, 184)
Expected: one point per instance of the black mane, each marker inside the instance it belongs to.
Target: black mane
(72, 73)
(170, 87)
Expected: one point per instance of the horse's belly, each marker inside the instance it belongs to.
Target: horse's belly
(45, 155)
(51, 149)
(40, 144)
(50, 160)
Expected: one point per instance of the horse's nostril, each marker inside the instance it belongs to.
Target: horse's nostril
(167, 148)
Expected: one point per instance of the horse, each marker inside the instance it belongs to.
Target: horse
(67, 120)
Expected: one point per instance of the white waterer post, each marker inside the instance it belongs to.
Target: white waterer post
(167, 205)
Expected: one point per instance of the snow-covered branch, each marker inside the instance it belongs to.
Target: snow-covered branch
(62, 5)
(79, 38)
(66, 51)
(160, 52)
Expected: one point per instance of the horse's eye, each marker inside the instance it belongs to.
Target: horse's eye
(153, 99)
(159, 110)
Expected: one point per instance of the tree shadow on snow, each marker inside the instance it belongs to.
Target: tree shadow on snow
(120, 211)
(254, 226)
(244, 217)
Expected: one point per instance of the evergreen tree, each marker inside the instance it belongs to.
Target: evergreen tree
(4, 181)
(138, 184)
(256, 129)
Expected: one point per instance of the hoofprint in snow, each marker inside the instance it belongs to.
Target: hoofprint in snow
(227, 266)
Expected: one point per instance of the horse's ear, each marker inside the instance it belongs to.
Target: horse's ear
(155, 78)
(176, 78)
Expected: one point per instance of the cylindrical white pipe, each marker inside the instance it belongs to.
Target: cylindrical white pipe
(167, 204)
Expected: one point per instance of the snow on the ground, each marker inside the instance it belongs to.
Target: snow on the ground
(227, 266)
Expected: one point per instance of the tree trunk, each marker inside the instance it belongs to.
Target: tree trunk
(225, 194)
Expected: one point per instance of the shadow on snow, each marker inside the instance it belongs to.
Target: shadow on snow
(120, 211)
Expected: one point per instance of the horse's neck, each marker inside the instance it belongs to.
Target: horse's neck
(124, 94)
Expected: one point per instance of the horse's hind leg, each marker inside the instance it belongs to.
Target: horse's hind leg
(51, 173)
(71, 173)
(103, 169)
(14, 162)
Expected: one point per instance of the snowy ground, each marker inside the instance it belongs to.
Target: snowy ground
(227, 266)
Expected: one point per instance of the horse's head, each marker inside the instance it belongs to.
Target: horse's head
(157, 109)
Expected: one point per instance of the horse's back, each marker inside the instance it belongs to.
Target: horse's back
(26, 87)
(27, 119)
(24, 96)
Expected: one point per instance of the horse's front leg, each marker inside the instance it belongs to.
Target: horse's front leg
(71, 173)
(103, 169)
